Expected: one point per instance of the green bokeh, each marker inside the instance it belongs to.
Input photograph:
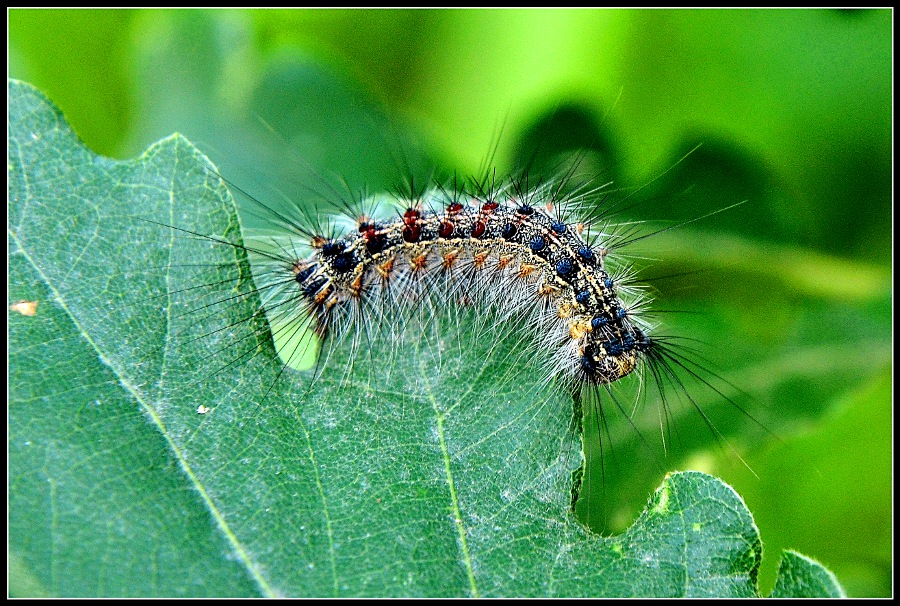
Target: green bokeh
(793, 111)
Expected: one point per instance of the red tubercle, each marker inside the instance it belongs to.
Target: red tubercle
(478, 229)
(445, 229)
(454, 208)
(489, 207)
(412, 233)
(368, 233)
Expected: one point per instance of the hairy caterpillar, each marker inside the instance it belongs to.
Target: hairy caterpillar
(506, 251)
(208, 421)
(536, 259)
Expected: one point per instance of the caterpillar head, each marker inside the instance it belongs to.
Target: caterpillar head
(606, 360)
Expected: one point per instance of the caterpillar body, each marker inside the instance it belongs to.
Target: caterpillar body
(540, 264)
(509, 252)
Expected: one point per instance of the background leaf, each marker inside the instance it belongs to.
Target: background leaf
(798, 577)
(438, 472)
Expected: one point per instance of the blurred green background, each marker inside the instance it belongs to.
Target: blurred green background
(792, 109)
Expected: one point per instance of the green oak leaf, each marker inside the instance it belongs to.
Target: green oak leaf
(148, 457)
(803, 577)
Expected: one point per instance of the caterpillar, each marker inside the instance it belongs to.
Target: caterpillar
(541, 260)
(506, 251)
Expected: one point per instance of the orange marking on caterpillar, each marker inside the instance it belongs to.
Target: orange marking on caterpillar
(356, 285)
(525, 270)
(323, 295)
(578, 330)
(384, 269)
(448, 259)
(546, 289)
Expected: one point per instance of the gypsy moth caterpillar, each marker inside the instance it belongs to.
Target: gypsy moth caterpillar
(522, 274)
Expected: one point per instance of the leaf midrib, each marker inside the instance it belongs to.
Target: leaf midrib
(457, 514)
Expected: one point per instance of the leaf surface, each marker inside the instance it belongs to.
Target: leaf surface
(146, 458)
